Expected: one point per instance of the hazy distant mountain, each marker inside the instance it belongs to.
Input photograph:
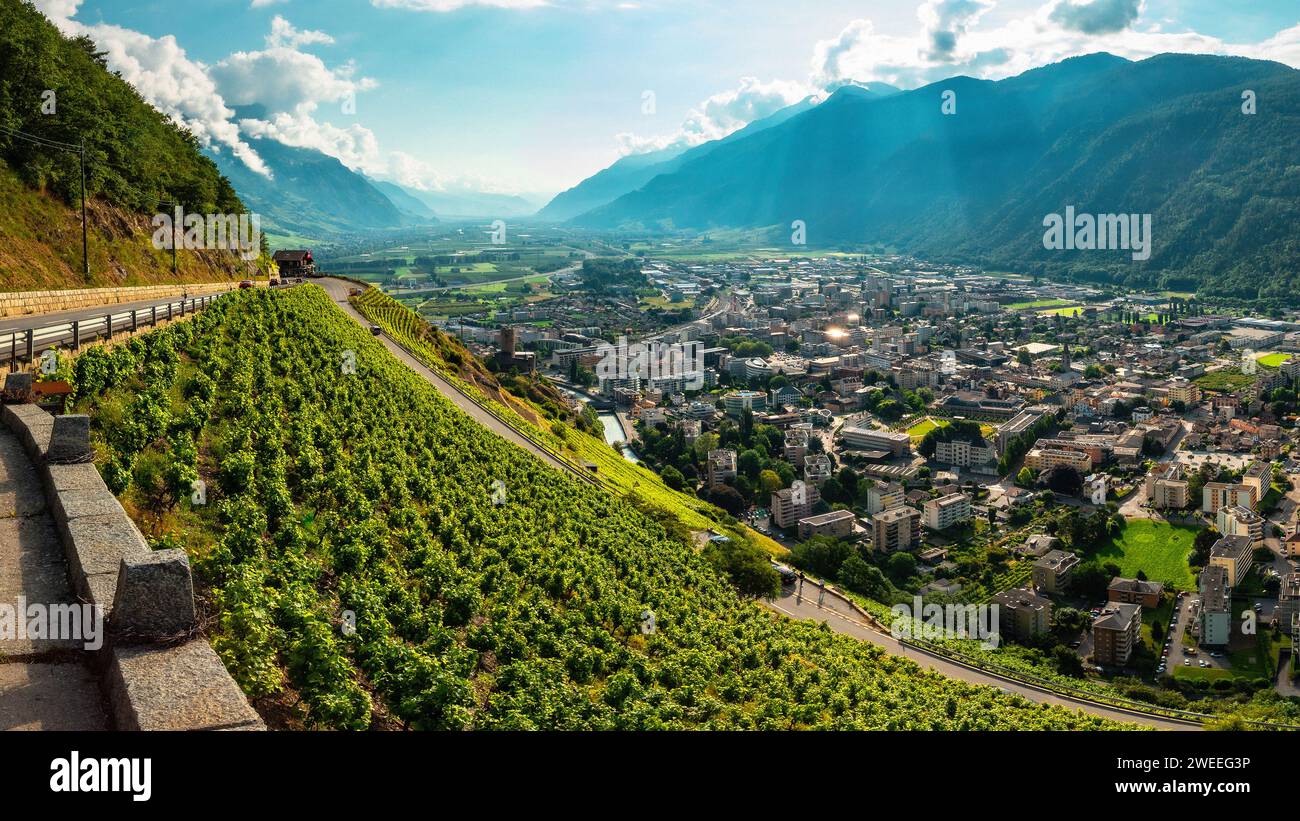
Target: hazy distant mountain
(1165, 136)
(464, 202)
(635, 170)
(407, 204)
(311, 193)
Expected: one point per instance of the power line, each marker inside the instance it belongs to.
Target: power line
(45, 141)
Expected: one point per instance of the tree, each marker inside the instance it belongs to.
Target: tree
(901, 566)
(769, 481)
(1025, 478)
(1067, 661)
(860, 577)
(673, 478)
(727, 498)
(747, 565)
(821, 555)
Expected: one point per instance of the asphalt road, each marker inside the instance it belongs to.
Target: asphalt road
(842, 619)
(19, 323)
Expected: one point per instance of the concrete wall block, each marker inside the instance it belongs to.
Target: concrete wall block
(155, 597)
(183, 687)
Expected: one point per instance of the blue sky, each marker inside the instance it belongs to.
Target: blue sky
(454, 93)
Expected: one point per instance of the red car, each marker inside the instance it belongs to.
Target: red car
(248, 283)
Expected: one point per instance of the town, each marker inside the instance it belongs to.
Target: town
(1113, 470)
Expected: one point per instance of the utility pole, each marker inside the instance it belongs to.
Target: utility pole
(85, 244)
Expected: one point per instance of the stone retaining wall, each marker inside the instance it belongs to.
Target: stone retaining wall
(151, 683)
(24, 303)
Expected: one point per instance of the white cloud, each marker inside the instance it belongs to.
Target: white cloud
(283, 34)
(162, 74)
(722, 114)
(1056, 30)
(258, 4)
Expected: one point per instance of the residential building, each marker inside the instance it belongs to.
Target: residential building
(883, 496)
(946, 511)
(1288, 601)
(837, 523)
(896, 528)
(817, 468)
(1051, 573)
(1184, 390)
(721, 467)
(1216, 606)
(1166, 488)
(1016, 426)
(964, 454)
(1044, 458)
(1022, 613)
(1221, 494)
(1259, 476)
(896, 444)
(791, 504)
(1135, 591)
(1234, 555)
(736, 403)
(1094, 489)
(1240, 521)
(1115, 633)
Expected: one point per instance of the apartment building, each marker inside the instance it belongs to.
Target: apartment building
(1235, 555)
(796, 444)
(896, 528)
(836, 523)
(1288, 601)
(1166, 488)
(1222, 494)
(1216, 606)
(1135, 591)
(721, 467)
(1184, 390)
(963, 454)
(1115, 633)
(736, 403)
(1044, 458)
(896, 444)
(1240, 521)
(946, 511)
(883, 496)
(1022, 613)
(1259, 476)
(817, 468)
(787, 506)
(1051, 573)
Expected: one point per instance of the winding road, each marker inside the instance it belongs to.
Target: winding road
(841, 618)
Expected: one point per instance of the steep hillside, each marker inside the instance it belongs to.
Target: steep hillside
(40, 246)
(405, 203)
(310, 193)
(366, 499)
(136, 158)
(1164, 136)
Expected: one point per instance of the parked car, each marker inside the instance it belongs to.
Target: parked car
(247, 283)
(375, 330)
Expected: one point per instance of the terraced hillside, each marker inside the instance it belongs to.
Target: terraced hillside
(336, 499)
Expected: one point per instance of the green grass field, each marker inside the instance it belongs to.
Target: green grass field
(924, 426)
(1274, 360)
(1158, 549)
(1042, 303)
(1069, 311)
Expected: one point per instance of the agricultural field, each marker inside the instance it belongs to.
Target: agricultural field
(364, 490)
(1159, 549)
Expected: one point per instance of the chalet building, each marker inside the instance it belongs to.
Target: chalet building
(294, 263)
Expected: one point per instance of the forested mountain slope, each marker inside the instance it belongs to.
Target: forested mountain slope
(136, 158)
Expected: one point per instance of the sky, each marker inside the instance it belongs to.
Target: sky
(532, 96)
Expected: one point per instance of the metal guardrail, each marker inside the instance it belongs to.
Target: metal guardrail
(26, 344)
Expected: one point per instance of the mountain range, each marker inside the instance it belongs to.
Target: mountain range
(1166, 136)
